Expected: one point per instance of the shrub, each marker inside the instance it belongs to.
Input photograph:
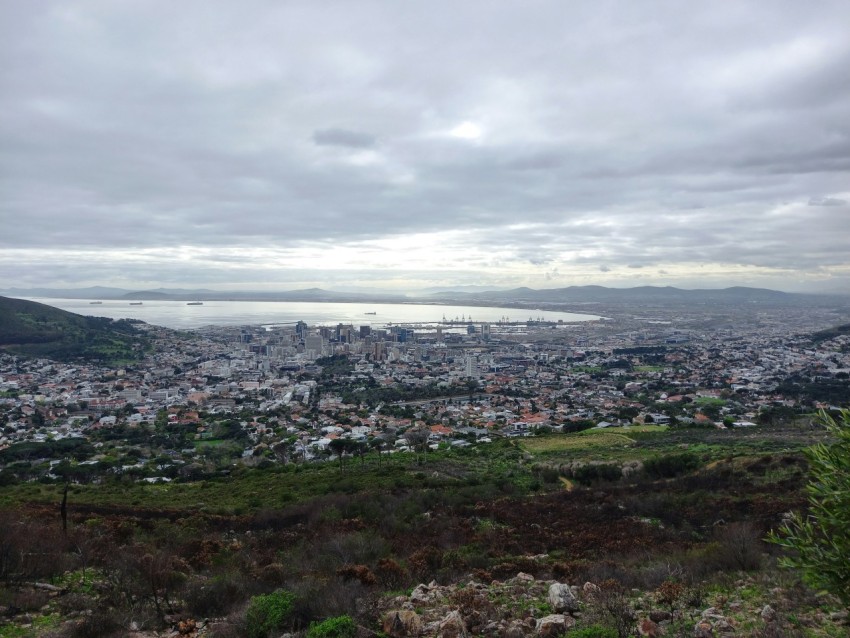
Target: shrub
(268, 613)
(738, 547)
(216, 596)
(596, 472)
(671, 465)
(821, 540)
(338, 627)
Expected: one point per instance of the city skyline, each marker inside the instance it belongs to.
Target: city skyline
(405, 146)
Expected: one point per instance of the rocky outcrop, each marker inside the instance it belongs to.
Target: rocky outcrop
(554, 625)
(562, 599)
(519, 607)
(453, 626)
(402, 623)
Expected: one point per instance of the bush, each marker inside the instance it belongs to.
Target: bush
(739, 547)
(339, 627)
(268, 613)
(216, 596)
(597, 472)
(821, 540)
(671, 465)
(608, 606)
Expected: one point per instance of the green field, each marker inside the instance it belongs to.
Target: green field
(705, 401)
(576, 442)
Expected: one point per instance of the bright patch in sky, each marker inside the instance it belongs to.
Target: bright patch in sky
(466, 131)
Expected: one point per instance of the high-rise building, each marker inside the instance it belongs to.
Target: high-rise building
(471, 366)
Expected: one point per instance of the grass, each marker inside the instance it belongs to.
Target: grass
(706, 401)
(573, 442)
(493, 468)
(631, 430)
(245, 490)
(200, 443)
(39, 625)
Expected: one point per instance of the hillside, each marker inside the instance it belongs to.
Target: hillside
(32, 329)
(459, 543)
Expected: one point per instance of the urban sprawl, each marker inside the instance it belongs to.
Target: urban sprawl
(205, 400)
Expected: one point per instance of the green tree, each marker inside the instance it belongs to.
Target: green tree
(338, 627)
(268, 613)
(821, 540)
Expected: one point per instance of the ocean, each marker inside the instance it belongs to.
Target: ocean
(180, 315)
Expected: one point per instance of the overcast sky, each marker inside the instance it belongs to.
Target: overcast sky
(263, 144)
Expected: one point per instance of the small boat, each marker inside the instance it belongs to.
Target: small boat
(95, 303)
(370, 313)
(195, 303)
(135, 303)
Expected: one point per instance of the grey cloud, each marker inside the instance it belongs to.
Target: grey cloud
(601, 128)
(826, 201)
(343, 137)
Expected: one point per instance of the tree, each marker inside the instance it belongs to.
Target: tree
(417, 439)
(339, 447)
(821, 540)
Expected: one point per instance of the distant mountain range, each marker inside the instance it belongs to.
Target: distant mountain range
(463, 294)
(601, 294)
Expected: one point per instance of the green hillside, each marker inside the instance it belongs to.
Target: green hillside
(37, 330)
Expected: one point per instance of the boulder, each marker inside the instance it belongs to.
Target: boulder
(703, 630)
(561, 598)
(421, 595)
(724, 626)
(554, 625)
(402, 623)
(768, 613)
(452, 626)
(839, 616)
(514, 629)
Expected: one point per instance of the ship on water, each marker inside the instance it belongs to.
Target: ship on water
(95, 303)
(135, 303)
(195, 303)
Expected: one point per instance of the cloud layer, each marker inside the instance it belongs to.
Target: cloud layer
(268, 145)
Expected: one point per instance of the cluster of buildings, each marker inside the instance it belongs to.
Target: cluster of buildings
(288, 392)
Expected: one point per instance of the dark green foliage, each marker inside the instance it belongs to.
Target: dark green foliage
(821, 540)
(338, 627)
(77, 448)
(336, 365)
(827, 390)
(671, 465)
(268, 613)
(594, 473)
